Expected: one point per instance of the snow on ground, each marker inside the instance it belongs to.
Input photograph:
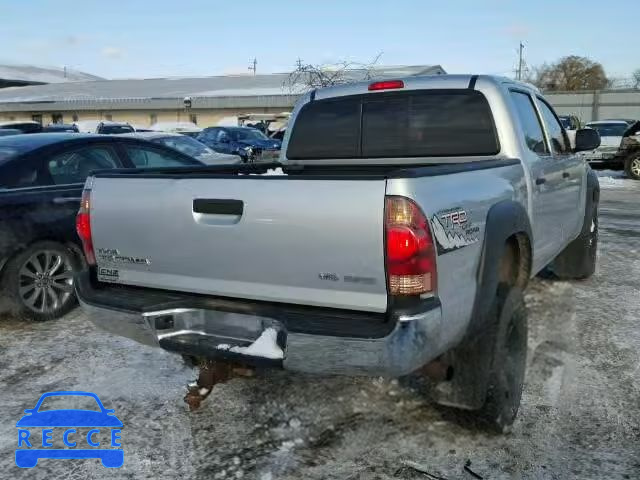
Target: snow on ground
(612, 178)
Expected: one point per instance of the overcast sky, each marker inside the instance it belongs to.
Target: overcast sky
(116, 38)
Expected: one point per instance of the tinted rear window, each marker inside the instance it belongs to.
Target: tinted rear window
(424, 123)
(327, 129)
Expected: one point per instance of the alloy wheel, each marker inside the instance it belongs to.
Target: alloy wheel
(46, 281)
(635, 167)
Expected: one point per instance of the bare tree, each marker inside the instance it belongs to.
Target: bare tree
(636, 78)
(307, 77)
(570, 73)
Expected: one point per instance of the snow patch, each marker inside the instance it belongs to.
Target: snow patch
(265, 346)
(610, 182)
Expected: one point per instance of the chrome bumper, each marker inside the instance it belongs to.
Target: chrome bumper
(414, 341)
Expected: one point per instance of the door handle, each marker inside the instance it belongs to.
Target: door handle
(566, 174)
(218, 206)
(60, 200)
(540, 180)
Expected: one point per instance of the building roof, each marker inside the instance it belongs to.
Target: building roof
(230, 91)
(29, 74)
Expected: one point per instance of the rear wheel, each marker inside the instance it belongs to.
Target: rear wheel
(632, 166)
(489, 366)
(508, 362)
(39, 281)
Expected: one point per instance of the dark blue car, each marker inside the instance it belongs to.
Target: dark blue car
(251, 144)
(41, 182)
(62, 423)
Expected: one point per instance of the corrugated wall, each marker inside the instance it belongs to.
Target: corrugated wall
(597, 105)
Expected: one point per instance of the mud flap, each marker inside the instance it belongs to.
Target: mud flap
(468, 386)
(482, 363)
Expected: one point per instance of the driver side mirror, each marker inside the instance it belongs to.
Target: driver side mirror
(586, 139)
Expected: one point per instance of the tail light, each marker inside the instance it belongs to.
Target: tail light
(410, 252)
(83, 226)
(386, 85)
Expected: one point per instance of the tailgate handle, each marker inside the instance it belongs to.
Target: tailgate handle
(218, 206)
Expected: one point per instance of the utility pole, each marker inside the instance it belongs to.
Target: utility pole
(299, 63)
(520, 60)
(253, 66)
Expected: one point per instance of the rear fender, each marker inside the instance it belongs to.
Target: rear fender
(471, 359)
(504, 219)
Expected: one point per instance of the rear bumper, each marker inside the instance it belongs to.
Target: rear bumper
(412, 340)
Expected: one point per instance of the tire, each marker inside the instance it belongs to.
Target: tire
(578, 260)
(508, 335)
(39, 281)
(632, 166)
(489, 367)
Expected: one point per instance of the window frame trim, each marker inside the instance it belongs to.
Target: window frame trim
(540, 122)
(547, 133)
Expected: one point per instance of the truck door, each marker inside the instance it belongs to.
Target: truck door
(546, 181)
(571, 169)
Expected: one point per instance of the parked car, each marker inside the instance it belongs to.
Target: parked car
(384, 245)
(629, 121)
(60, 128)
(105, 127)
(114, 128)
(186, 128)
(24, 126)
(279, 134)
(611, 134)
(249, 143)
(629, 152)
(188, 146)
(41, 180)
(87, 126)
(569, 122)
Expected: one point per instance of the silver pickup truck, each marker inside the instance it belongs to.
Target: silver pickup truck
(395, 236)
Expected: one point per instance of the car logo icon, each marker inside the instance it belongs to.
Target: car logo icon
(41, 427)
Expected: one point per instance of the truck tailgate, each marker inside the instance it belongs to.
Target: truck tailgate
(312, 242)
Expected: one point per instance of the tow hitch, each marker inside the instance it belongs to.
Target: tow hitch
(211, 373)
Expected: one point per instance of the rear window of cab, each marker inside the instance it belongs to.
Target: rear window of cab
(417, 123)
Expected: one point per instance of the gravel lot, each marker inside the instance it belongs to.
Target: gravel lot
(579, 418)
